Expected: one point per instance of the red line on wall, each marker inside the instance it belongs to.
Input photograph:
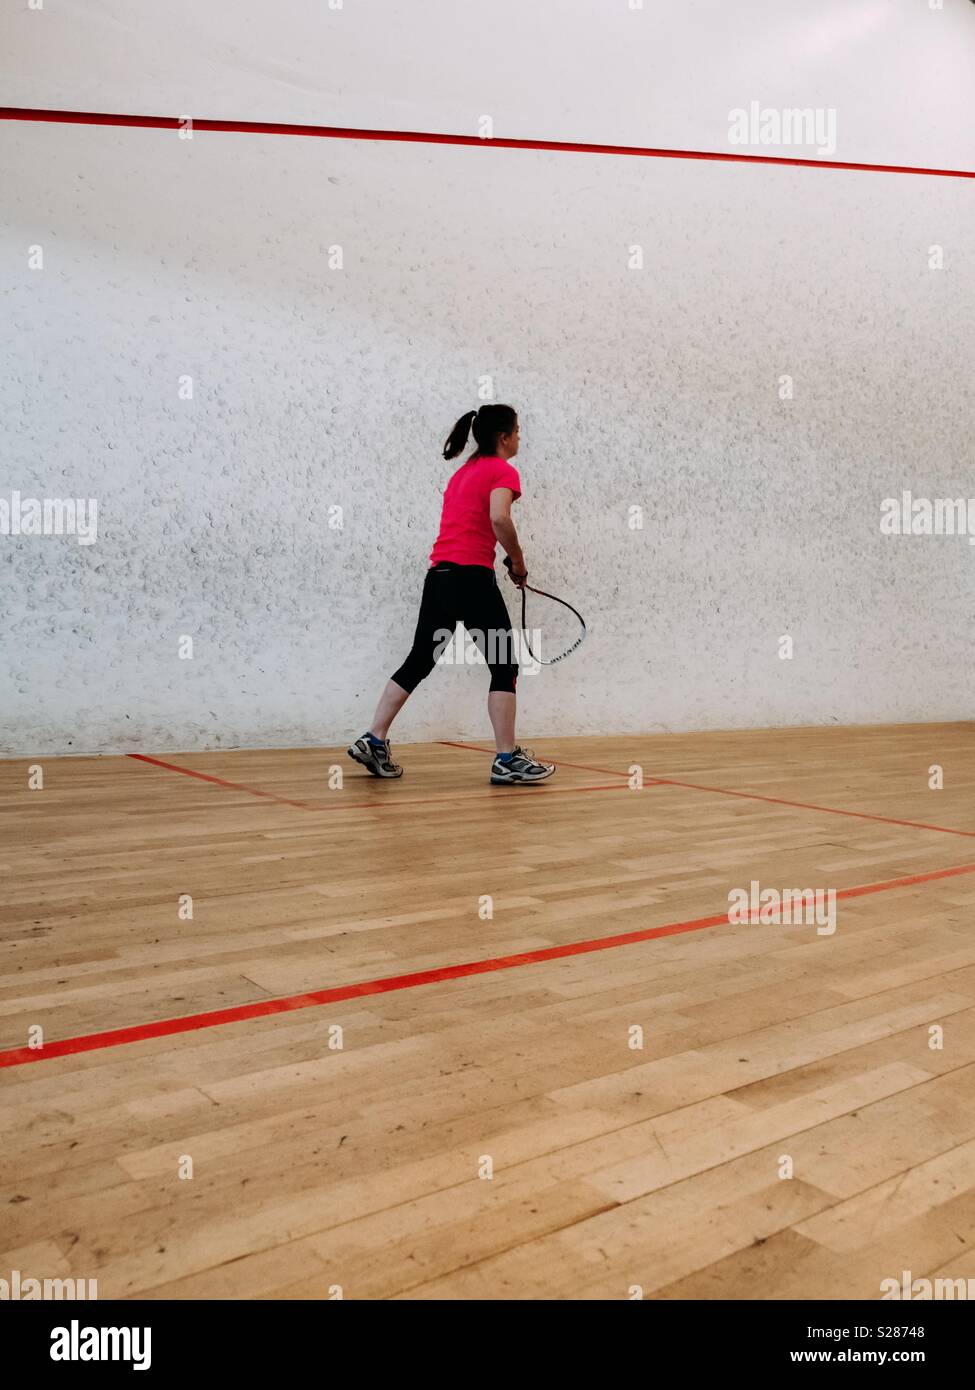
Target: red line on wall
(427, 137)
(143, 1032)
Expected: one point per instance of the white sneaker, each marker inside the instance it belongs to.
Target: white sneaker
(374, 756)
(521, 767)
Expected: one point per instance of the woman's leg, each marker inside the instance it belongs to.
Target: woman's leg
(434, 629)
(486, 618)
(372, 750)
(501, 711)
(391, 701)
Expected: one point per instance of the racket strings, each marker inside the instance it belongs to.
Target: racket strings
(558, 629)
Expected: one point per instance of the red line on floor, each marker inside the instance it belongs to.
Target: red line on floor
(495, 793)
(560, 762)
(812, 806)
(219, 781)
(757, 796)
(143, 1032)
(335, 132)
(390, 802)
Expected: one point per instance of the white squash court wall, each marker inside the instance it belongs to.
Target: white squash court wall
(316, 388)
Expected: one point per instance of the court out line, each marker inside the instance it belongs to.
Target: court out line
(429, 137)
(387, 804)
(264, 1008)
(219, 781)
(559, 762)
(758, 796)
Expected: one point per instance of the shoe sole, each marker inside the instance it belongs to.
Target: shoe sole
(519, 781)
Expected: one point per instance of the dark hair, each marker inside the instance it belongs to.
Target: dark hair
(488, 422)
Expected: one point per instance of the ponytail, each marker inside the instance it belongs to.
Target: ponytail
(457, 440)
(488, 423)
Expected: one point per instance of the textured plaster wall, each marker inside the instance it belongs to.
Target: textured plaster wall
(316, 388)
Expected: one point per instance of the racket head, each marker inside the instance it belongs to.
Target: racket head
(553, 629)
(562, 628)
(557, 629)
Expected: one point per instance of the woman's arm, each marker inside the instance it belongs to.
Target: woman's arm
(504, 530)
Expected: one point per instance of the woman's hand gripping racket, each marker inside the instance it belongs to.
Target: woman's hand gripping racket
(561, 631)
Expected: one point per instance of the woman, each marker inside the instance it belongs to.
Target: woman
(460, 586)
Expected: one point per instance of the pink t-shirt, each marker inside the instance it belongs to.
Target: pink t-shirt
(466, 534)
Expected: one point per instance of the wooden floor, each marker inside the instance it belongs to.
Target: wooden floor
(316, 1168)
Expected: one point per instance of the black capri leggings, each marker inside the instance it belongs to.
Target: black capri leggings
(468, 594)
